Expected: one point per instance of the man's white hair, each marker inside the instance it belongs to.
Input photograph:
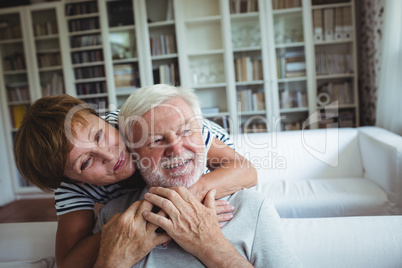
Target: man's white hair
(144, 99)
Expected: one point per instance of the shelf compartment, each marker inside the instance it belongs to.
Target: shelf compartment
(207, 70)
(203, 37)
(288, 28)
(120, 13)
(200, 9)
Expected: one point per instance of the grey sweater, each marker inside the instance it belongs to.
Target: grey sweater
(254, 230)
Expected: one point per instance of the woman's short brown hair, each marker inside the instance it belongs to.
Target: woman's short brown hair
(41, 146)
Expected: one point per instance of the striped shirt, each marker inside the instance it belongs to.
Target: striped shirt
(71, 197)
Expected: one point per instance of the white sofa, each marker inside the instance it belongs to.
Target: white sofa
(328, 173)
(313, 176)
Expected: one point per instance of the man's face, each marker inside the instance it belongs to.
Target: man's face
(173, 153)
(99, 155)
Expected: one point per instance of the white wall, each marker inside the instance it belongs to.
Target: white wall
(6, 188)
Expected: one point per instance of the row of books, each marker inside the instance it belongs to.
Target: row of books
(100, 103)
(210, 110)
(53, 87)
(166, 74)
(332, 24)
(293, 99)
(336, 119)
(81, 8)
(8, 31)
(163, 44)
(49, 59)
(253, 128)
(291, 64)
(281, 4)
(340, 91)
(87, 56)
(45, 28)
(333, 63)
(89, 72)
(17, 113)
(327, 2)
(248, 69)
(83, 25)
(243, 6)
(120, 13)
(91, 88)
(18, 91)
(14, 62)
(86, 40)
(126, 75)
(250, 101)
(223, 121)
(289, 126)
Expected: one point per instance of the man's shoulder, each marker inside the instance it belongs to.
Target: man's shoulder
(248, 200)
(120, 204)
(248, 195)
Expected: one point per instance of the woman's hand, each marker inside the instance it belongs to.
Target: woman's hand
(128, 237)
(192, 225)
(223, 209)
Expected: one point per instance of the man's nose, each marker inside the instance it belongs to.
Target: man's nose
(174, 145)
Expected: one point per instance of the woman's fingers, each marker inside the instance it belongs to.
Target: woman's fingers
(222, 206)
(224, 217)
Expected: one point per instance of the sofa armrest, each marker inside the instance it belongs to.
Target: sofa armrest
(381, 152)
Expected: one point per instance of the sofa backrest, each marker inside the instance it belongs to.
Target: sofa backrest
(307, 154)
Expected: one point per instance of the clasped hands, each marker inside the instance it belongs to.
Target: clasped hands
(130, 236)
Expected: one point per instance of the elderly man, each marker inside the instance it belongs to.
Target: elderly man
(161, 124)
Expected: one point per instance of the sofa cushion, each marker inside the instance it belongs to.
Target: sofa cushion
(27, 244)
(303, 155)
(369, 242)
(323, 197)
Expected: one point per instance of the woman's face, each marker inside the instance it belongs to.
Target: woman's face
(99, 155)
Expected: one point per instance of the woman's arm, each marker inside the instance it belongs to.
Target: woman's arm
(75, 244)
(230, 172)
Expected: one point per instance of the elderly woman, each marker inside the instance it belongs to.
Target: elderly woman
(64, 145)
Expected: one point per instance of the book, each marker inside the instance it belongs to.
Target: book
(169, 10)
(347, 23)
(339, 34)
(329, 24)
(317, 24)
(17, 114)
(210, 110)
(123, 75)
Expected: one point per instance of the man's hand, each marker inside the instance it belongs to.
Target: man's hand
(193, 226)
(128, 237)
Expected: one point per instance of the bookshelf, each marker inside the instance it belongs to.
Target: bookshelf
(31, 67)
(335, 61)
(291, 54)
(248, 46)
(89, 78)
(256, 65)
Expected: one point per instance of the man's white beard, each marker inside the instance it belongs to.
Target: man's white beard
(186, 178)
